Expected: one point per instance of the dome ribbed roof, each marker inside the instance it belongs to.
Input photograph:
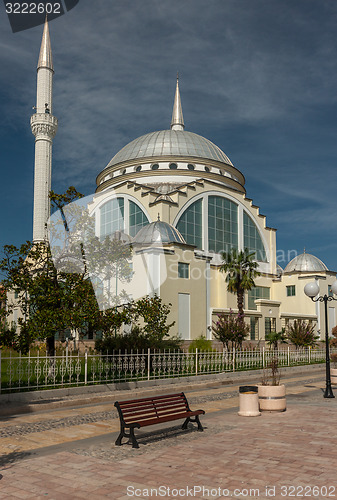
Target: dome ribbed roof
(305, 262)
(170, 143)
(158, 232)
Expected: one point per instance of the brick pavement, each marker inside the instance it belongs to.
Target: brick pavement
(296, 449)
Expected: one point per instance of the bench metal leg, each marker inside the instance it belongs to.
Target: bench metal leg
(131, 438)
(196, 420)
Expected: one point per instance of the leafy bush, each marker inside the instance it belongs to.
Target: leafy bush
(231, 330)
(200, 343)
(301, 334)
(135, 340)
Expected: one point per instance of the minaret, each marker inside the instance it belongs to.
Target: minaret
(44, 127)
(177, 122)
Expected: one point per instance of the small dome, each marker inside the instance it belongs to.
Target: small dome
(305, 263)
(158, 232)
(170, 143)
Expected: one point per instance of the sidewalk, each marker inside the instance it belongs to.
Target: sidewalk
(272, 456)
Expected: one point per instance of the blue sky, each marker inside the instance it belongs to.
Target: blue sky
(258, 78)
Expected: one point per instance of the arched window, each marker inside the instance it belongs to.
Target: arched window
(190, 224)
(137, 218)
(112, 217)
(222, 224)
(252, 239)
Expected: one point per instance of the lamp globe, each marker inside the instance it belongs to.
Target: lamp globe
(334, 287)
(311, 289)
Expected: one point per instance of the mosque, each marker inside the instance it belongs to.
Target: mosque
(180, 201)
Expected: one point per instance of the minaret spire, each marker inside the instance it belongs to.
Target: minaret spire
(44, 127)
(177, 122)
(45, 58)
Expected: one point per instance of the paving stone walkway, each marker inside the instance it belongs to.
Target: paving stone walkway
(278, 455)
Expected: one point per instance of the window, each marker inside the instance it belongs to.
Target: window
(270, 325)
(254, 327)
(155, 166)
(190, 166)
(190, 224)
(258, 292)
(183, 270)
(252, 238)
(207, 169)
(291, 291)
(222, 224)
(138, 169)
(137, 218)
(112, 217)
(173, 166)
(330, 293)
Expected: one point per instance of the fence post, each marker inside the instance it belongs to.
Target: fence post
(148, 363)
(223, 359)
(233, 359)
(0, 370)
(196, 361)
(263, 358)
(288, 355)
(85, 367)
(309, 354)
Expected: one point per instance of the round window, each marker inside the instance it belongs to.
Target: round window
(123, 171)
(155, 166)
(138, 169)
(190, 166)
(207, 169)
(173, 166)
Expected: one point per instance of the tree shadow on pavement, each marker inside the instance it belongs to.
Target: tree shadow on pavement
(12, 458)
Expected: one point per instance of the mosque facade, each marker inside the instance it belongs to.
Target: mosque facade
(180, 201)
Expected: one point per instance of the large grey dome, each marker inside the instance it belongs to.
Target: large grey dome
(305, 262)
(158, 232)
(170, 143)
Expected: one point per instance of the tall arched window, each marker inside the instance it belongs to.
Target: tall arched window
(190, 224)
(222, 224)
(112, 217)
(252, 239)
(137, 218)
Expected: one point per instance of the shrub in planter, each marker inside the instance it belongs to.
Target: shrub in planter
(271, 392)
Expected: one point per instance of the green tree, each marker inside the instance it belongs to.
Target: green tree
(241, 270)
(302, 334)
(54, 291)
(273, 338)
(230, 330)
(154, 314)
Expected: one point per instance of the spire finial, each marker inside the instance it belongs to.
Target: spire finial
(45, 57)
(177, 122)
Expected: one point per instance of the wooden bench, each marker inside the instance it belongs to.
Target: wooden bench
(137, 413)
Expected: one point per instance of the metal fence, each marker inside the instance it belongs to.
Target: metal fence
(22, 373)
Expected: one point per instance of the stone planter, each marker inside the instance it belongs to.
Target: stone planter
(249, 401)
(272, 397)
(333, 375)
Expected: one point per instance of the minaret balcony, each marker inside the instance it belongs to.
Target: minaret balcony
(43, 124)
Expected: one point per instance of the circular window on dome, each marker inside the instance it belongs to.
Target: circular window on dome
(173, 166)
(155, 166)
(220, 171)
(207, 169)
(138, 169)
(190, 166)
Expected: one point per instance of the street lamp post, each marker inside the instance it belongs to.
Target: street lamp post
(312, 291)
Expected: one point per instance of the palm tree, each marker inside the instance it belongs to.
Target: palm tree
(241, 269)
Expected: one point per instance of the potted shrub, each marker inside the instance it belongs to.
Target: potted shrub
(272, 394)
